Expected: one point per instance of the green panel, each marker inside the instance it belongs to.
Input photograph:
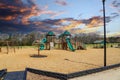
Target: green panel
(44, 40)
(69, 44)
(41, 47)
(66, 33)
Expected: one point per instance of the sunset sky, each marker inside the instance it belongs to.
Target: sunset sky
(76, 16)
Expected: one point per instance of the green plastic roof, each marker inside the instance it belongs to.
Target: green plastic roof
(50, 33)
(66, 33)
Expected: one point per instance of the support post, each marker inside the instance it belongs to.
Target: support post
(38, 51)
(104, 33)
(0, 49)
(7, 47)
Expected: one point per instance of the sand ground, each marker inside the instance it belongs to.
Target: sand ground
(57, 60)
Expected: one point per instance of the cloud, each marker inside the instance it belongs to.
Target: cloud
(92, 24)
(9, 26)
(95, 21)
(14, 9)
(73, 25)
(15, 15)
(85, 30)
(61, 2)
(116, 5)
(56, 25)
(57, 13)
(7, 18)
(20, 11)
(114, 15)
(112, 34)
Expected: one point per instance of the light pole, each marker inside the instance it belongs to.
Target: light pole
(103, 1)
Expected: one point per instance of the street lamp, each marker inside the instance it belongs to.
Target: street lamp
(103, 1)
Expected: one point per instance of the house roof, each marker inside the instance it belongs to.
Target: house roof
(99, 41)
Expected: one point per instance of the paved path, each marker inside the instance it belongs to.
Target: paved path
(112, 74)
(18, 75)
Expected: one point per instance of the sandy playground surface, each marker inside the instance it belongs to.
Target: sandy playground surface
(61, 61)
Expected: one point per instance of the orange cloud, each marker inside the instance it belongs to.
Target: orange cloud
(95, 22)
(72, 25)
(84, 30)
(9, 12)
(32, 12)
(35, 11)
(8, 18)
(21, 12)
(38, 23)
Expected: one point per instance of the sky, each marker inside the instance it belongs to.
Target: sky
(76, 16)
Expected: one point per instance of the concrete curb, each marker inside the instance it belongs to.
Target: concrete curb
(70, 75)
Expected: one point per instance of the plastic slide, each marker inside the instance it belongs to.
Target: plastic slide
(44, 40)
(69, 44)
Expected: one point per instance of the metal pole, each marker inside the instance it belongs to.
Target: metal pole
(38, 51)
(104, 32)
(7, 46)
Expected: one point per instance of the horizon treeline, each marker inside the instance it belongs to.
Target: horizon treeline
(27, 39)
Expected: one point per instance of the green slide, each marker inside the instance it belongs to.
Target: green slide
(69, 44)
(44, 40)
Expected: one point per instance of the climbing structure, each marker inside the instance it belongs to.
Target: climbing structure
(50, 38)
(42, 44)
(63, 42)
(66, 41)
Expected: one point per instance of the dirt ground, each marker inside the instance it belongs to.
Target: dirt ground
(32, 76)
(61, 61)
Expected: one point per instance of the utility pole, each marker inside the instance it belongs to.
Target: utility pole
(103, 1)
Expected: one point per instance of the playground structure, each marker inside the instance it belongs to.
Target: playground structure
(49, 40)
(63, 42)
(66, 42)
(10, 46)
